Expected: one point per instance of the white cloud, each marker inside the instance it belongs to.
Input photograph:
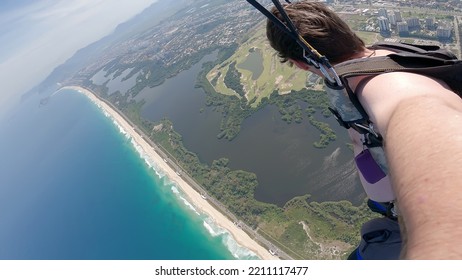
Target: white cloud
(38, 37)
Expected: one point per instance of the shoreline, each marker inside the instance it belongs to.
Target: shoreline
(239, 235)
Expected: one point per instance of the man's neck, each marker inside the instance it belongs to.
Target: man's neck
(364, 53)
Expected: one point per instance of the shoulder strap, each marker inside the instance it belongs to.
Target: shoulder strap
(444, 69)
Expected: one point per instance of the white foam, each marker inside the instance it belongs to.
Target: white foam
(175, 190)
(159, 173)
(185, 201)
(214, 230)
(121, 129)
(209, 229)
(234, 248)
(330, 161)
(149, 162)
(138, 148)
(117, 124)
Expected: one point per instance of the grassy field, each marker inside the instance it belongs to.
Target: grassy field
(369, 37)
(275, 75)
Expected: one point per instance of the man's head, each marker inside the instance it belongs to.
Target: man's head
(320, 27)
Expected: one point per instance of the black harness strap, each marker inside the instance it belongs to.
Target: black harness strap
(438, 64)
(289, 28)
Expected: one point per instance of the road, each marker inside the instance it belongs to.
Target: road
(170, 160)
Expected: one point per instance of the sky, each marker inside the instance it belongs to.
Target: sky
(38, 35)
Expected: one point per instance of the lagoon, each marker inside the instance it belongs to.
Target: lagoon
(281, 155)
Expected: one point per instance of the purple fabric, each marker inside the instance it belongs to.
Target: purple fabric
(370, 170)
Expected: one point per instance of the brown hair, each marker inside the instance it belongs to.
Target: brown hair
(320, 27)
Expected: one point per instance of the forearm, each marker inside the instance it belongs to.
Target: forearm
(425, 159)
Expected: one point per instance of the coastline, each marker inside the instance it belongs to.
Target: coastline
(239, 235)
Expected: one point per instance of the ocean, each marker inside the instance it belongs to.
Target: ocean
(73, 186)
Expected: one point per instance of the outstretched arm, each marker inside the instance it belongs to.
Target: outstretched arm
(423, 144)
(421, 122)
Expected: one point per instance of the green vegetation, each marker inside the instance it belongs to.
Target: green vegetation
(327, 134)
(301, 227)
(369, 38)
(355, 21)
(290, 108)
(304, 229)
(232, 91)
(233, 109)
(275, 76)
(232, 79)
(153, 73)
(234, 188)
(214, 81)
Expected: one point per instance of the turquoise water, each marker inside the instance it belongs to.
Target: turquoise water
(72, 186)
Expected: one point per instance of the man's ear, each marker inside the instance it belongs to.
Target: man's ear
(300, 64)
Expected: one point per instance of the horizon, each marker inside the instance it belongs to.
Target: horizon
(36, 37)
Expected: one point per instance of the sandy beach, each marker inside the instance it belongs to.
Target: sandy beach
(195, 198)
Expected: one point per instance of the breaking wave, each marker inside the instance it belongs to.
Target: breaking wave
(184, 200)
(227, 239)
(212, 228)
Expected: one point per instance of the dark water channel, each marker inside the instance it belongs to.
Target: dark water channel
(282, 155)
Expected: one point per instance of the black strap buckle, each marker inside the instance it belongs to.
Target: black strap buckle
(373, 140)
(339, 118)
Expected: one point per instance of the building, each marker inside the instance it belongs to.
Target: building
(392, 19)
(413, 23)
(430, 23)
(383, 13)
(384, 25)
(403, 28)
(443, 32)
(398, 16)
